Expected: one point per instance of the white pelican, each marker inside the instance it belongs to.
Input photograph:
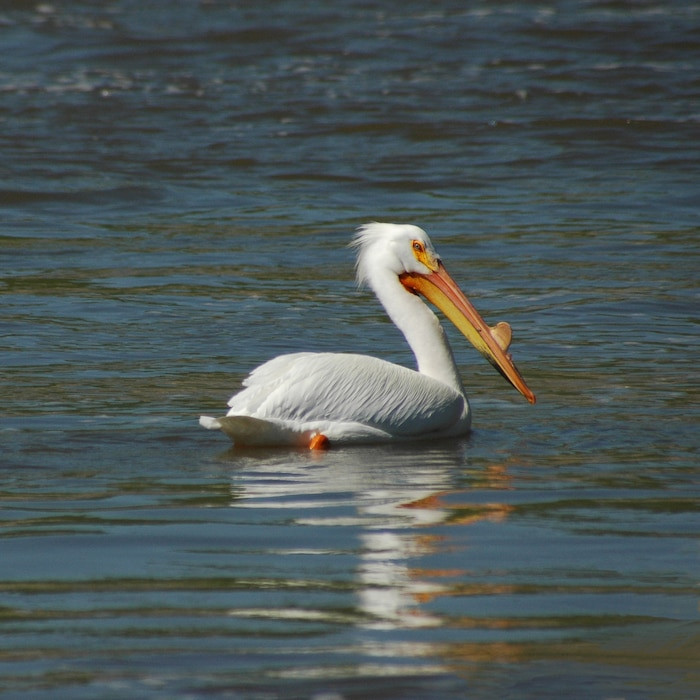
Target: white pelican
(320, 399)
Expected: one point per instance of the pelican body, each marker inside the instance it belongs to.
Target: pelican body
(317, 400)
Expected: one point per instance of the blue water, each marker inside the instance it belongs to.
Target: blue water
(178, 186)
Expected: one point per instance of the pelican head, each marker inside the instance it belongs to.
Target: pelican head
(405, 253)
(395, 248)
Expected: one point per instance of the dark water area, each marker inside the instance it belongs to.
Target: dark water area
(178, 185)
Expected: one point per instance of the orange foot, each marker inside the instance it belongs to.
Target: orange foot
(319, 442)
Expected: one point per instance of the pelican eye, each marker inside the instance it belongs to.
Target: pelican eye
(423, 255)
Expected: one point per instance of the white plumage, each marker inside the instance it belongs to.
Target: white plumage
(316, 399)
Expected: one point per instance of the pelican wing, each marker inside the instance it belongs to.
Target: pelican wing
(324, 389)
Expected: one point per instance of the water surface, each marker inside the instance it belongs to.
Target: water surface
(178, 186)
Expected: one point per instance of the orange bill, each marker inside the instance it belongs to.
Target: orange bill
(440, 289)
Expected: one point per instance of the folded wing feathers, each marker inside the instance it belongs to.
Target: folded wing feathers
(340, 387)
